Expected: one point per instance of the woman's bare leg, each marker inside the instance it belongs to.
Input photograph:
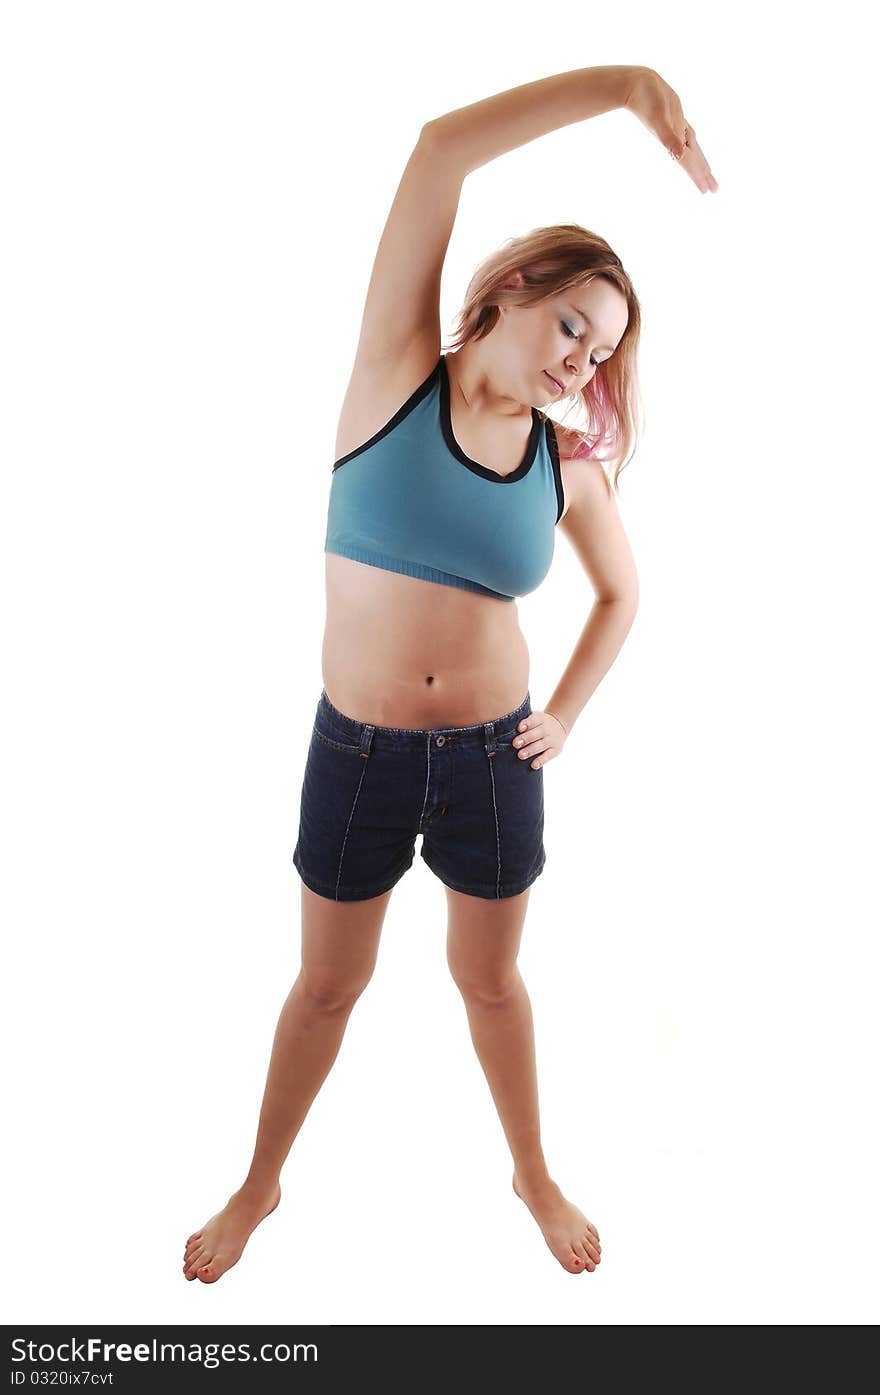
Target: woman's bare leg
(483, 941)
(340, 942)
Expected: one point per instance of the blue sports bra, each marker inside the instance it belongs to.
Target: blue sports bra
(409, 500)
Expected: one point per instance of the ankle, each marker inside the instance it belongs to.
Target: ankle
(257, 1188)
(530, 1175)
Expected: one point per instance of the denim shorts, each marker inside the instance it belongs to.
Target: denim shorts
(369, 791)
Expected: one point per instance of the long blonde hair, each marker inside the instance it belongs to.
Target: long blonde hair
(552, 260)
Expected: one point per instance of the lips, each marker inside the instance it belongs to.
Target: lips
(553, 380)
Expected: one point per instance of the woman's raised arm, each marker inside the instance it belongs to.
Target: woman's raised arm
(472, 136)
(403, 298)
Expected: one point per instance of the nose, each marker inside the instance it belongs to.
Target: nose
(577, 366)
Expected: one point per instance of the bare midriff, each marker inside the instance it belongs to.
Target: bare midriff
(402, 652)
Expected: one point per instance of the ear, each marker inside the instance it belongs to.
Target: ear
(515, 282)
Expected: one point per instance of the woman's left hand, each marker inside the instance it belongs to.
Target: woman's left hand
(539, 737)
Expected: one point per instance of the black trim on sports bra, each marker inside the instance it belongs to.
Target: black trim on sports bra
(446, 422)
(411, 402)
(553, 447)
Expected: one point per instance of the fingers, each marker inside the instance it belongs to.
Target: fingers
(686, 149)
(536, 740)
(678, 144)
(702, 175)
(537, 745)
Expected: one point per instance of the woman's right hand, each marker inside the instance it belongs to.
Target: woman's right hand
(659, 108)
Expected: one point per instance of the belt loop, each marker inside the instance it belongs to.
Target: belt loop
(489, 733)
(366, 739)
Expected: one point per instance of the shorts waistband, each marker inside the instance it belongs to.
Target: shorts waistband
(365, 734)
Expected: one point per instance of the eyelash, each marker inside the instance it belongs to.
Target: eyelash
(571, 334)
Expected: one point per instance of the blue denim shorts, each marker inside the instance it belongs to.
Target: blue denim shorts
(369, 791)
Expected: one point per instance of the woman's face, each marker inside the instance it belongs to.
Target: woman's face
(565, 336)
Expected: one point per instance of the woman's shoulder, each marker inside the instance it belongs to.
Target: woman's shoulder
(567, 441)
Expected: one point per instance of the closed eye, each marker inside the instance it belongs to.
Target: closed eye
(571, 334)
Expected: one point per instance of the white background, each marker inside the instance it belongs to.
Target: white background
(193, 197)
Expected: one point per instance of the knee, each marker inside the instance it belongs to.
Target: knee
(485, 987)
(328, 992)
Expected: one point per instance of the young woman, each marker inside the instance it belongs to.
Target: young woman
(448, 484)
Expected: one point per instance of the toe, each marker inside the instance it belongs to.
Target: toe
(582, 1254)
(574, 1263)
(593, 1229)
(592, 1247)
(199, 1256)
(209, 1273)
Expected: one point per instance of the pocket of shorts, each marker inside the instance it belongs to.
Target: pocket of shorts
(334, 742)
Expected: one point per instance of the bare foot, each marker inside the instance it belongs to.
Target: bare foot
(572, 1238)
(218, 1245)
